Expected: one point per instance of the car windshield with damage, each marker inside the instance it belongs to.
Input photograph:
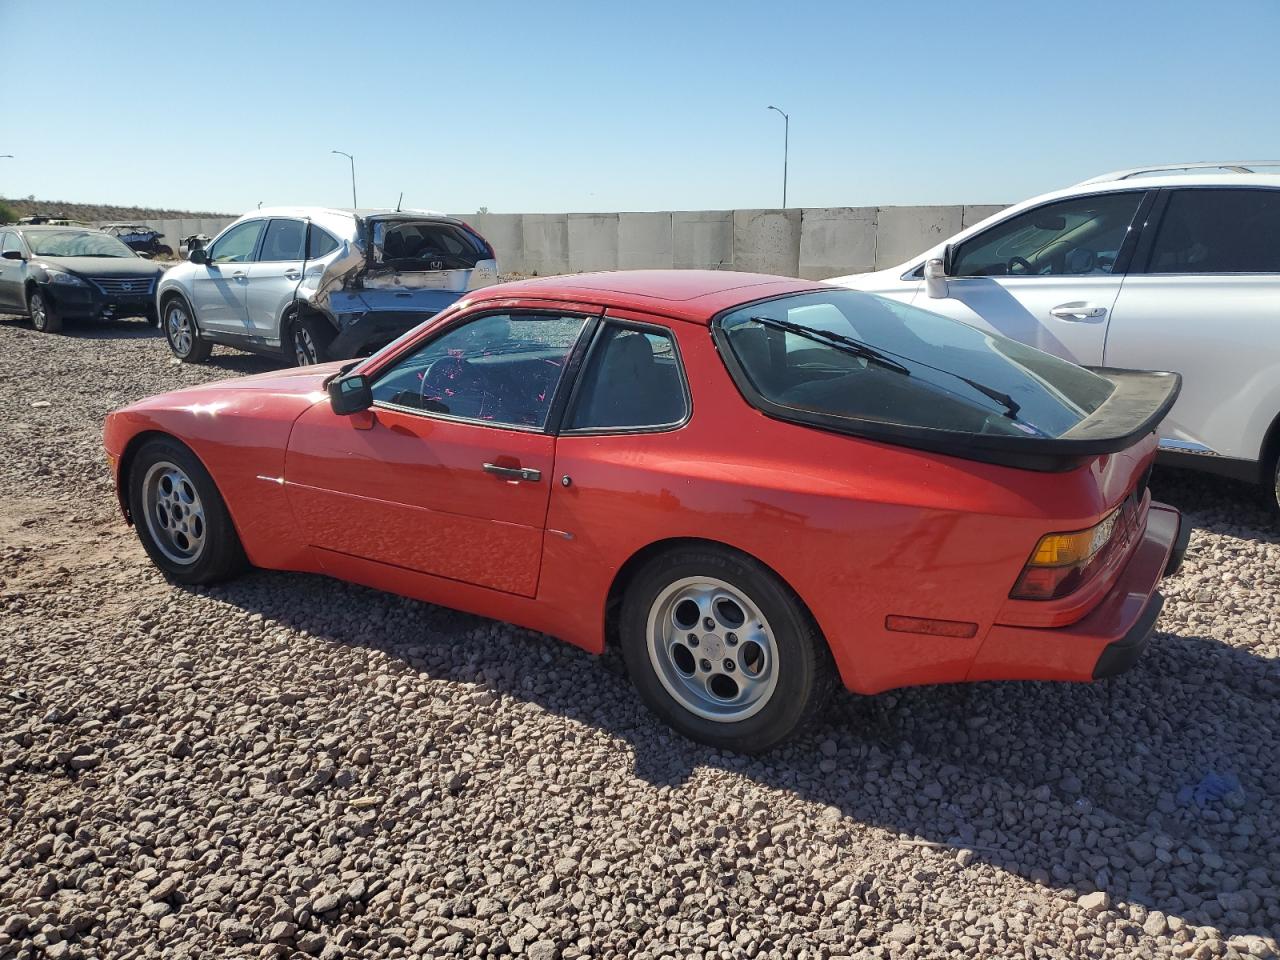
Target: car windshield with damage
(849, 357)
(77, 243)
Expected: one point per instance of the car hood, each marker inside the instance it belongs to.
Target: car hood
(103, 266)
(303, 384)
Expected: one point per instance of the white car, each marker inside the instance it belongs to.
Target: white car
(315, 284)
(1160, 268)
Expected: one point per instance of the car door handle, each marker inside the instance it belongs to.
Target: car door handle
(513, 473)
(292, 274)
(238, 275)
(1078, 311)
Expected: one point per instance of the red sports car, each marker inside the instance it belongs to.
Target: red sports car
(752, 485)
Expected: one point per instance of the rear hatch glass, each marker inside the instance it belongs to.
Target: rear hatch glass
(874, 367)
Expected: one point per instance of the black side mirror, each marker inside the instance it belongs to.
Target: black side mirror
(948, 259)
(12, 255)
(350, 394)
(198, 255)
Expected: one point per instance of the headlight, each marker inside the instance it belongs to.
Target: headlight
(63, 279)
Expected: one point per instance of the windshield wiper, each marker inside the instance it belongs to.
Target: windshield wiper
(849, 345)
(884, 359)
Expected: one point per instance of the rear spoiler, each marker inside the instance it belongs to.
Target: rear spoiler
(1140, 400)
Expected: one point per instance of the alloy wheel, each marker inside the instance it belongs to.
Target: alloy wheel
(712, 649)
(304, 347)
(178, 327)
(174, 513)
(39, 313)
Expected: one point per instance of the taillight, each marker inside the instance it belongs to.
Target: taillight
(1063, 562)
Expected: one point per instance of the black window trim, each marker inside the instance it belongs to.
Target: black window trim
(1123, 258)
(558, 400)
(593, 349)
(1142, 262)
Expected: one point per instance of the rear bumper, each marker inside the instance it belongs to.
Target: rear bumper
(1112, 636)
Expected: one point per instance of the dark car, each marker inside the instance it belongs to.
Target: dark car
(139, 238)
(57, 273)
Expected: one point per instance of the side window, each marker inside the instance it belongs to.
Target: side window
(632, 380)
(283, 241)
(500, 369)
(9, 241)
(237, 245)
(322, 244)
(1077, 237)
(1218, 231)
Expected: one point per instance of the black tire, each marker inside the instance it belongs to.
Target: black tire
(805, 672)
(309, 339)
(181, 332)
(43, 317)
(219, 555)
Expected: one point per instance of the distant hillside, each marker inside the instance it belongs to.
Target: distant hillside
(99, 211)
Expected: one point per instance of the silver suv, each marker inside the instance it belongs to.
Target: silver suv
(315, 284)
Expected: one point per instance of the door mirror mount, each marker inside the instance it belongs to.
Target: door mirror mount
(350, 394)
(935, 278)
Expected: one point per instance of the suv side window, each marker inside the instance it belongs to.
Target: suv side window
(633, 380)
(499, 369)
(238, 245)
(321, 244)
(283, 241)
(1080, 236)
(1218, 231)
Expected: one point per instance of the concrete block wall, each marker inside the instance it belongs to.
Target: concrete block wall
(810, 242)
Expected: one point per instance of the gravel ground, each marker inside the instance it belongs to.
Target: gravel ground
(292, 767)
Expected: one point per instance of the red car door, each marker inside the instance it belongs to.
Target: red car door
(453, 476)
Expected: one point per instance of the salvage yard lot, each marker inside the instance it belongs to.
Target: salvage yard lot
(290, 766)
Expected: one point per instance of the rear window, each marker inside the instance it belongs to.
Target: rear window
(846, 357)
(426, 245)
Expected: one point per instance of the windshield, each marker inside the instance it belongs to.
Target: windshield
(76, 243)
(855, 356)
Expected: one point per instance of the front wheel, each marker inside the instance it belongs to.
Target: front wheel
(180, 516)
(43, 317)
(723, 651)
(182, 334)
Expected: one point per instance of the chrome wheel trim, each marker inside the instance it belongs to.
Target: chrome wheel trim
(174, 513)
(712, 649)
(304, 348)
(178, 326)
(39, 313)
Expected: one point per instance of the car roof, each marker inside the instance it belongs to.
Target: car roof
(349, 212)
(692, 295)
(50, 227)
(1197, 172)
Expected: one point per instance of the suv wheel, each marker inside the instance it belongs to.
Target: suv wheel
(310, 338)
(182, 334)
(723, 651)
(43, 317)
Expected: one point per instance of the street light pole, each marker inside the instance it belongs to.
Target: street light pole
(353, 175)
(786, 146)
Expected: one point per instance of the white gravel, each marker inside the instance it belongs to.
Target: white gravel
(292, 767)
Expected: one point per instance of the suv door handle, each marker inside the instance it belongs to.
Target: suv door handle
(1078, 311)
(238, 274)
(292, 274)
(513, 473)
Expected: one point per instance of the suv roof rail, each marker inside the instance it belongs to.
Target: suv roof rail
(1230, 166)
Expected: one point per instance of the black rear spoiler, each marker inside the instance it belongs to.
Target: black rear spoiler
(1141, 399)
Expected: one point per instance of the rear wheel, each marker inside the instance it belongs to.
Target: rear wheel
(180, 516)
(43, 317)
(310, 337)
(722, 650)
(181, 332)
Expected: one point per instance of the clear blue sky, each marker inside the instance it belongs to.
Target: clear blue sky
(552, 106)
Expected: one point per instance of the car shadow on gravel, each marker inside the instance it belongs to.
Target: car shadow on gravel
(1155, 788)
